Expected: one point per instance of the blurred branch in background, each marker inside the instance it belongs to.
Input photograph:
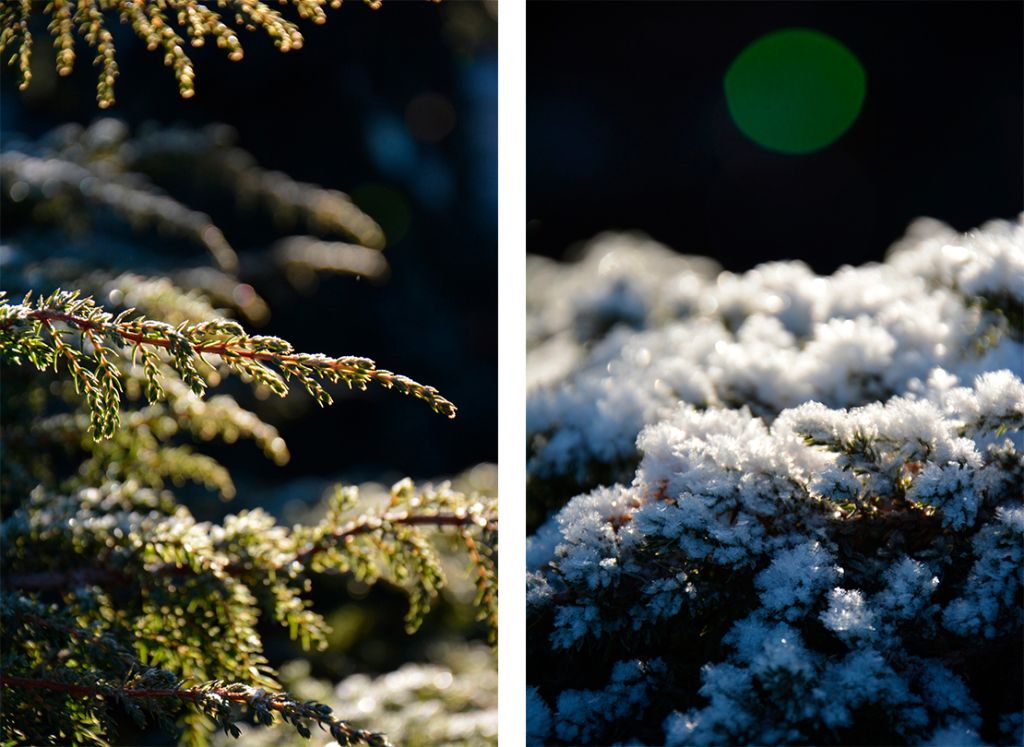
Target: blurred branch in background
(75, 185)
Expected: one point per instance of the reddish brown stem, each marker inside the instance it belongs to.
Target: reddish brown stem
(32, 683)
(439, 520)
(350, 368)
(45, 316)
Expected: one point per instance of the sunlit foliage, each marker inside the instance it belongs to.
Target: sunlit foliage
(165, 26)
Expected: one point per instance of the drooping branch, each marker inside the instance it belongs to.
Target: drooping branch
(270, 361)
(154, 23)
(214, 700)
(352, 369)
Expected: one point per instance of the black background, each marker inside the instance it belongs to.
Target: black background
(628, 128)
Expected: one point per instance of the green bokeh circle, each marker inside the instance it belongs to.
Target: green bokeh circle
(795, 90)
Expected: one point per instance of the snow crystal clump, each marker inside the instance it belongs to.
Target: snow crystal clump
(795, 579)
(623, 700)
(538, 718)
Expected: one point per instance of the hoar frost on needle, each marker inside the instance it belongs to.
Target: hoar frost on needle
(797, 498)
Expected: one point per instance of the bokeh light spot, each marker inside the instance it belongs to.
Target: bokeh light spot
(795, 90)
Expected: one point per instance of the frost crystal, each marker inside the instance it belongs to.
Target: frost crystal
(795, 579)
(848, 615)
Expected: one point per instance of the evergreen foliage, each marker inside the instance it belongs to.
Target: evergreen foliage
(777, 508)
(117, 599)
(166, 26)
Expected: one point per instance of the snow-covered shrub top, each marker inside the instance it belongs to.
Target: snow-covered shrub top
(621, 336)
(807, 525)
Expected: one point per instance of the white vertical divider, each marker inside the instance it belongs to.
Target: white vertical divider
(512, 371)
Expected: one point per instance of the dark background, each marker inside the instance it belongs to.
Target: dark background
(628, 128)
(337, 113)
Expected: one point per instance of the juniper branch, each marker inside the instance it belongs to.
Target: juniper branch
(270, 361)
(214, 700)
(251, 554)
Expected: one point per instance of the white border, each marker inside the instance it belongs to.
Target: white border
(512, 371)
